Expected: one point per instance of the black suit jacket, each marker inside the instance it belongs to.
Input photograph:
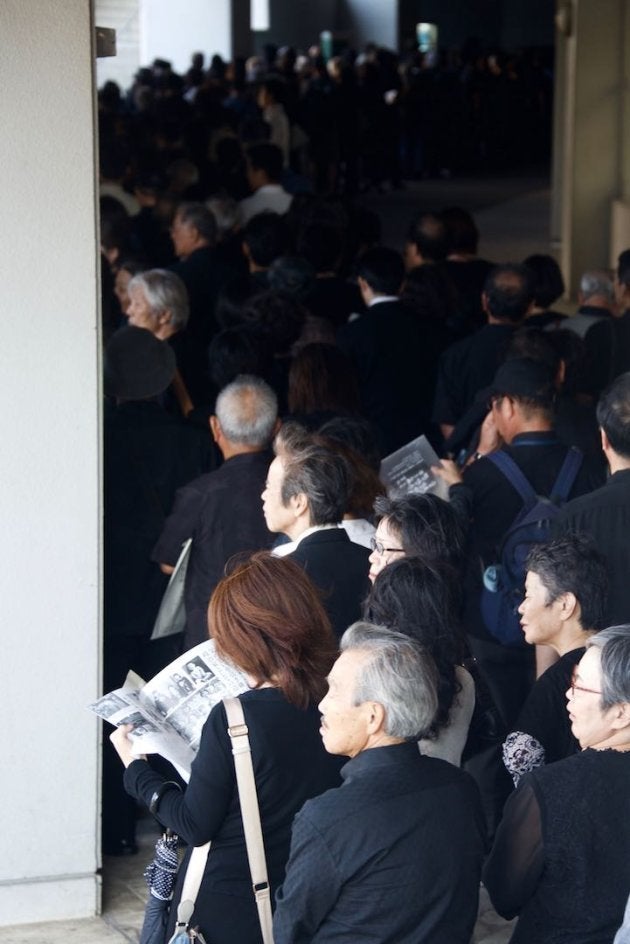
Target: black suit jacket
(395, 357)
(339, 568)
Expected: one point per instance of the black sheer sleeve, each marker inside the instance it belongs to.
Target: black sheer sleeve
(516, 861)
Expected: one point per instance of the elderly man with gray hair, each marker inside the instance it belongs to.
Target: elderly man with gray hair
(394, 854)
(221, 510)
(596, 324)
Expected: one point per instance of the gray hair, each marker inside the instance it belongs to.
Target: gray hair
(199, 216)
(164, 292)
(400, 676)
(227, 214)
(247, 410)
(614, 646)
(597, 282)
(321, 474)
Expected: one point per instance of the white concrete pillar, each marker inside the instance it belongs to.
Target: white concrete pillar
(49, 463)
(595, 137)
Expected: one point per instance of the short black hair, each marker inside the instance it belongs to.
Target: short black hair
(430, 294)
(536, 345)
(421, 600)
(572, 564)
(623, 267)
(279, 316)
(267, 157)
(462, 234)
(321, 242)
(265, 235)
(240, 350)
(356, 433)
(429, 527)
(382, 269)
(231, 301)
(292, 275)
(546, 278)
(508, 292)
(324, 477)
(275, 85)
(613, 414)
(428, 233)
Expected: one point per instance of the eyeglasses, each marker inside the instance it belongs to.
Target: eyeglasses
(580, 688)
(381, 549)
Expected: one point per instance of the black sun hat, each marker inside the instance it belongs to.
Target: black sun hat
(526, 378)
(137, 365)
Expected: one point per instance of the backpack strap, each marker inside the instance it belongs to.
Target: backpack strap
(566, 475)
(508, 467)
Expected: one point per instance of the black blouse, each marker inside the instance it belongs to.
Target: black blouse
(561, 857)
(290, 766)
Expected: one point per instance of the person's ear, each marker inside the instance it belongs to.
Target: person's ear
(299, 504)
(508, 407)
(569, 606)
(375, 718)
(215, 428)
(621, 715)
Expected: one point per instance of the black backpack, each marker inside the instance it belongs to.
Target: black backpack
(503, 583)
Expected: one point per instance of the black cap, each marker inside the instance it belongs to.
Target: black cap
(526, 378)
(137, 365)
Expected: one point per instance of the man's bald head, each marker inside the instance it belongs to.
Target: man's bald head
(507, 293)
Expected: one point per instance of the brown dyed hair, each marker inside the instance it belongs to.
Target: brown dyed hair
(365, 485)
(267, 618)
(321, 379)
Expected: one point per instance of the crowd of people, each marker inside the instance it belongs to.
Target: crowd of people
(264, 352)
(351, 122)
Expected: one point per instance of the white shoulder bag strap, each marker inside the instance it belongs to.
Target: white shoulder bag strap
(238, 731)
(190, 888)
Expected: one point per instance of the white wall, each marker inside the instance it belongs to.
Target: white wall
(374, 22)
(121, 15)
(596, 55)
(172, 31)
(49, 505)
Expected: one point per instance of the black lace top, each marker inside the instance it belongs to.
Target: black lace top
(561, 857)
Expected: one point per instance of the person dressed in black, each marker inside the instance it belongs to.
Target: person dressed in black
(305, 498)
(194, 235)
(470, 364)
(521, 422)
(147, 454)
(221, 510)
(393, 351)
(605, 513)
(560, 858)
(565, 603)
(283, 641)
(394, 854)
(596, 324)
